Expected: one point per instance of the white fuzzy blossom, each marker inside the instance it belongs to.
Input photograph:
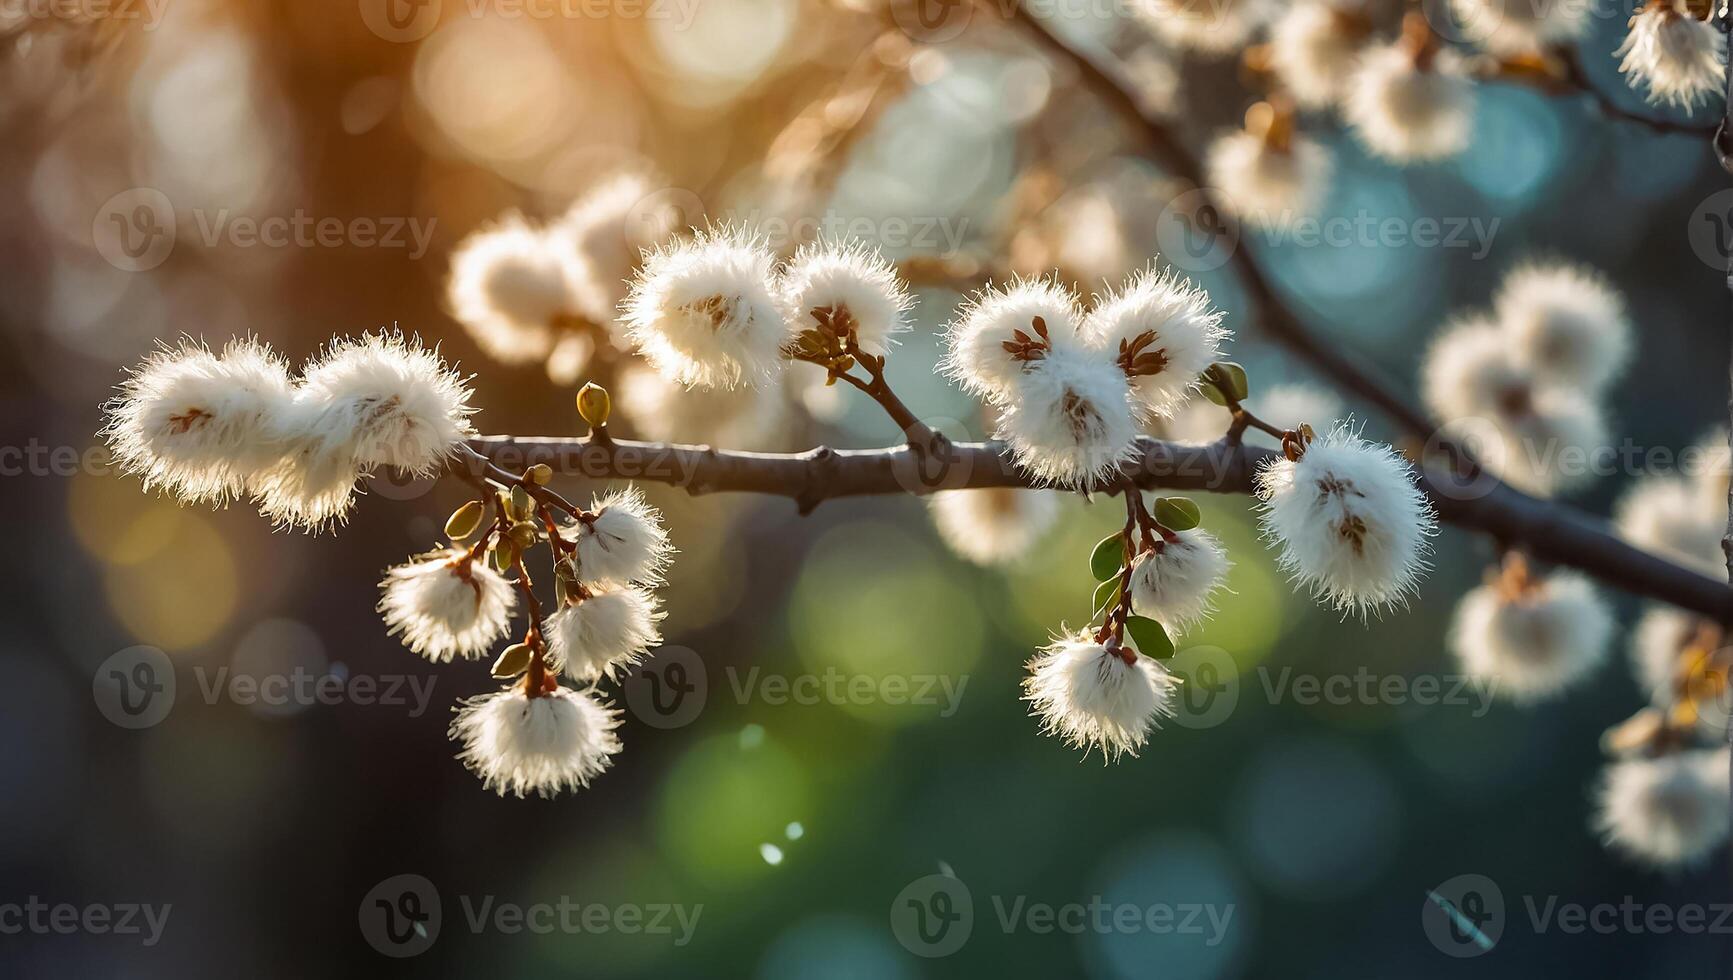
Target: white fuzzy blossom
(518, 290)
(854, 278)
(517, 744)
(1532, 638)
(1536, 436)
(1091, 697)
(197, 424)
(1567, 322)
(1179, 331)
(1175, 584)
(1351, 523)
(210, 428)
(1217, 28)
(1064, 402)
(1679, 58)
(1409, 108)
(1658, 645)
(707, 313)
(978, 355)
(1315, 48)
(1519, 26)
(602, 631)
(1671, 517)
(1666, 810)
(1071, 420)
(381, 400)
(612, 224)
(446, 605)
(993, 526)
(620, 539)
(1268, 183)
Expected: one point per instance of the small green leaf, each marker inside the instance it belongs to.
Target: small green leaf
(505, 555)
(1209, 389)
(1178, 513)
(1108, 557)
(1237, 381)
(521, 504)
(514, 661)
(1106, 596)
(464, 520)
(1149, 638)
(1225, 374)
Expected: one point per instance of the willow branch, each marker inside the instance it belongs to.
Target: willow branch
(1335, 360)
(1550, 532)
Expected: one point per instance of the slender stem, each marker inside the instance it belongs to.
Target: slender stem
(508, 479)
(1334, 359)
(536, 680)
(1548, 530)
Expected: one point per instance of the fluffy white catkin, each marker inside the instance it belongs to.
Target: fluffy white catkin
(512, 284)
(544, 745)
(604, 632)
(1089, 696)
(828, 275)
(707, 312)
(994, 526)
(447, 605)
(1176, 584)
(1409, 111)
(198, 424)
(620, 538)
(1534, 643)
(1680, 60)
(1667, 810)
(1350, 521)
(977, 355)
(1175, 322)
(1264, 185)
(1315, 47)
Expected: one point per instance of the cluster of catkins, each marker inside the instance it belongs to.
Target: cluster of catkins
(1070, 388)
(1522, 384)
(1664, 797)
(536, 735)
(211, 427)
(1409, 99)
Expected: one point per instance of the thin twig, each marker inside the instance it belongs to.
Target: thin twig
(1549, 531)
